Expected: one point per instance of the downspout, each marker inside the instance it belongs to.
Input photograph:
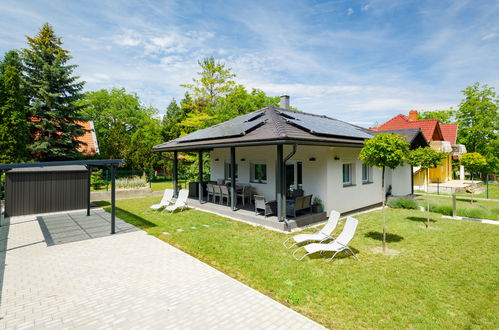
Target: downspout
(288, 157)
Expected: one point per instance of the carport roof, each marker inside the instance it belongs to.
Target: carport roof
(87, 162)
(67, 168)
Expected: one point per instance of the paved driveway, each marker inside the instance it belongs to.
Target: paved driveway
(129, 280)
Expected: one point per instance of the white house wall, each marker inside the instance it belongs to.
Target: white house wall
(321, 177)
(345, 199)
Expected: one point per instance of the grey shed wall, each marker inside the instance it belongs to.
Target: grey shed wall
(41, 190)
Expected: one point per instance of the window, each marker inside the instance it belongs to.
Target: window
(258, 173)
(347, 174)
(227, 171)
(367, 174)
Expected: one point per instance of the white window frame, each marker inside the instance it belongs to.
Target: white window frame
(351, 178)
(227, 171)
(252, 172)
(369, 177)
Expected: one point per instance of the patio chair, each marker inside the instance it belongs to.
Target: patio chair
(336, 246)
(217, 193)
(245, 192)
(165, 201)
(224, 194)
(210, 191)
(261, 204)
(180, 203)
(323, 235)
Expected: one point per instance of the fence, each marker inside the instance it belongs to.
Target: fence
(155, 180)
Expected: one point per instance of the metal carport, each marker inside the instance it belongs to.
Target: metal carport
(112, 164)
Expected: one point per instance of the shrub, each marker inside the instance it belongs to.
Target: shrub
(96, 180)
(131, 183)
(442, 209)
(473, 212)
(402, 203)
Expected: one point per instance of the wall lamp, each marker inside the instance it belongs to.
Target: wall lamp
(336, 158)
(243, 159)
(312, 159)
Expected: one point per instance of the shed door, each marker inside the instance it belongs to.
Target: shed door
(42, 192)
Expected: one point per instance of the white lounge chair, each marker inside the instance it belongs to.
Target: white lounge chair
(336, 246)
(180, 203)
(165, 201)
(323, 235)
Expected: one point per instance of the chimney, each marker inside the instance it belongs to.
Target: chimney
(284, 104)
(413, 115)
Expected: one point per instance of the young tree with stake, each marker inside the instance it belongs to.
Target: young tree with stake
(384, 150)
(426, 158)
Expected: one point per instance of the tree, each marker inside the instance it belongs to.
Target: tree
(52, 91)
(215, 81)
(117, 115)
(13, 121)
(478, 120)
(443, 116)
(140, 154)
(384, 150)
(474, 162)
(426, 158)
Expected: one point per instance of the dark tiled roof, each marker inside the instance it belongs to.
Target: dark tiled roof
(412, 135)
(270, 125)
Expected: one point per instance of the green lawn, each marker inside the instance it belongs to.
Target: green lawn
(493, 192)
(444, 277)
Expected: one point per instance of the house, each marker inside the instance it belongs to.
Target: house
(441, 137)
(89, 146)
(278, 150)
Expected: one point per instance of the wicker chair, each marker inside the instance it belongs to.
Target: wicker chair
(217, 192)
(261, 204)
(224, 194)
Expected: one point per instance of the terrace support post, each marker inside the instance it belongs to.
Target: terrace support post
(279, 183)
(88, 192)
(175, 174)
(113, 199)
(200, 175)
(233, 197)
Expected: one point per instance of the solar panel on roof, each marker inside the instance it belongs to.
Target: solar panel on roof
(234, 127)
(325, 126)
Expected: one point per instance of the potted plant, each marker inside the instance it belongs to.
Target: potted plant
(317, 206)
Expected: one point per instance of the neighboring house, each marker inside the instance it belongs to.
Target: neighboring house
(89, 146)
(441, 137)
(278, 150)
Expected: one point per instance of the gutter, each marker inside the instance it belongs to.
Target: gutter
(261, 143)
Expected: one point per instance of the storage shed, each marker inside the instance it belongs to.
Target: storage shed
(46, 189)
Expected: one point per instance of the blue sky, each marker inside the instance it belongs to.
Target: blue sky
(360, 61)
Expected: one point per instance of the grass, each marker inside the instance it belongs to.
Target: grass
(478, 209)
(444, 277)
(493, 192)
(155, 185)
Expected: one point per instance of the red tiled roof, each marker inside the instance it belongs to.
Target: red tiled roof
(430, 128)
(449, 131)
(90, 146)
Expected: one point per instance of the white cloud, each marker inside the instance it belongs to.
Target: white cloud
(489, 36)
(349, 11)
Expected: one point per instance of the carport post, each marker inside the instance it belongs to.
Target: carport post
(2, 201)
(113, 199)
(88, 192)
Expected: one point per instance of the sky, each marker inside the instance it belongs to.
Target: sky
(359, 61)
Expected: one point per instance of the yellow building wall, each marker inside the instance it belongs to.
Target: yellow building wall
(442, 173)
(419, 178)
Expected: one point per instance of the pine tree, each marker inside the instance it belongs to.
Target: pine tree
(52, 91)
(13, 128)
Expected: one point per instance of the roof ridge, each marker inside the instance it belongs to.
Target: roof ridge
(277, 121)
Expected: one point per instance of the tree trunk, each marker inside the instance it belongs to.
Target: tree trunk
(427, 199)
(383, 207)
